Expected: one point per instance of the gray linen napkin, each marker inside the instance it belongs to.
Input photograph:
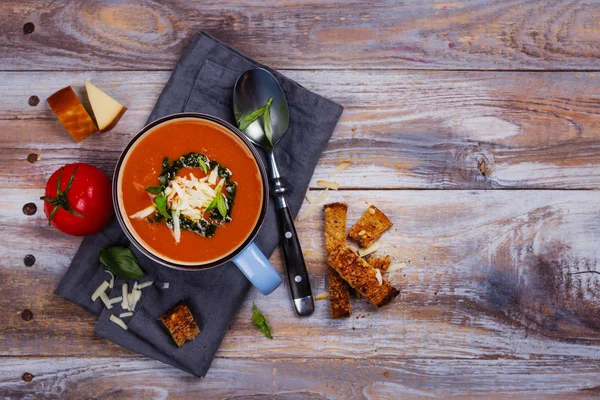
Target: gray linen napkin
(202, 82)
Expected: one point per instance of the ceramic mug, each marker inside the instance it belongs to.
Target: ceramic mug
(246, 256)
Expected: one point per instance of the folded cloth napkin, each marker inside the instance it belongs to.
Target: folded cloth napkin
(203, 82)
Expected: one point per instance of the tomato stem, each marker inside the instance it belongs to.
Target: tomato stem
(60, 200)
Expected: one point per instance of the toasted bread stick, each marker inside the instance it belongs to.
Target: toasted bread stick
(370, 227)
(381, 263)
(361, 276)
(335, 236)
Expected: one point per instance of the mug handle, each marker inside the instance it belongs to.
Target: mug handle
(257, 268)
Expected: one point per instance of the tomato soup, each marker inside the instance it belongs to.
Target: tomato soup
(142, 166)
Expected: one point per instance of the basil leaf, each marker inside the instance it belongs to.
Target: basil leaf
(267, 124)
(249, 118)
(161, 206)
(212, 205)
(259, 320)
(203, 165)
(221, 205)
(121, 262)
(154, 189)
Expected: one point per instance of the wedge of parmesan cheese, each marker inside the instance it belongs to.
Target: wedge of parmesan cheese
(107, 111)
(118, 321)
(101, 289)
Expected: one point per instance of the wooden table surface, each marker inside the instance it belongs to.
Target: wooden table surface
(474, 124)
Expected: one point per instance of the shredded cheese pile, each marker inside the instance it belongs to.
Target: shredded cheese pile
(190, 196)
(128, 299)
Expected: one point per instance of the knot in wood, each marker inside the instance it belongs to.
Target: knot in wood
(476, 163)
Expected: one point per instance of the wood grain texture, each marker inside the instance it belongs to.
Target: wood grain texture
(490, 275)
(422, 130)
(500, 291)
(76, 378)
(146, 35)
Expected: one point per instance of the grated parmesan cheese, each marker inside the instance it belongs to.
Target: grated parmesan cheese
(214, 174)
(112, 279)
(145, 284)
(137, 295)
(115, 300)
(176, 227)
(101, 289)
(396, 267)
(371, 249)
(322, 296)
(307, 211)
(105, 300)
(378, 276)
(322, 196)
(130, 300)
(144, 213)
(328, 184)
(342, 166)
(125, 314)
(118, 321)
(309, 198)
(190, 197)
(125, 303)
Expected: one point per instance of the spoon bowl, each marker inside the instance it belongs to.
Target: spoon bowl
(253, 90)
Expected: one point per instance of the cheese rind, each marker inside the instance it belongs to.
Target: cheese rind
(107, 111)
(71, 114)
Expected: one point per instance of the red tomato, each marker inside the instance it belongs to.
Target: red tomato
(84, 204)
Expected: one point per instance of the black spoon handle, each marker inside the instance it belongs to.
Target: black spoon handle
(295, 265)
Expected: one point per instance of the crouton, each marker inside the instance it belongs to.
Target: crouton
(180, 323)
(370, 227)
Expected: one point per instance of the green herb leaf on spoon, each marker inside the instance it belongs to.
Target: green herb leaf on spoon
(267, 123)
(246, 119)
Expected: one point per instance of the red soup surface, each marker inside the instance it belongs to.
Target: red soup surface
(142, 167)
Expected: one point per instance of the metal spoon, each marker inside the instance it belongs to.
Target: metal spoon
(253, 90)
